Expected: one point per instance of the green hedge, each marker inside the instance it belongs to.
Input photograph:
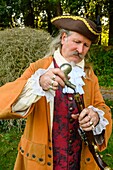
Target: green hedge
(102, 59)
(18, 48)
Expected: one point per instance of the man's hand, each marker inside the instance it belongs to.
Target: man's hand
(88, 119)
(52, 78)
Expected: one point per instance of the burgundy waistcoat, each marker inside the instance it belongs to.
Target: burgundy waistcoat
(66, 140)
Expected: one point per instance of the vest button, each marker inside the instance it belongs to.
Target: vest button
(71, 120)
(70, 152)
(70, 108)
(71, 162)
(70, 141)
(70, 98)
(71, 131)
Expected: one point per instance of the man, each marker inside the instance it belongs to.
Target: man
(51, 139)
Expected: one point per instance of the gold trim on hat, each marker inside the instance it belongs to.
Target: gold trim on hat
(76, 18)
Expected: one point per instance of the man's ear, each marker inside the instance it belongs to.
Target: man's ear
(63, 38)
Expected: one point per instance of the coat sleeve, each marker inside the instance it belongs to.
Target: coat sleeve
(94, 97)
(10, 92)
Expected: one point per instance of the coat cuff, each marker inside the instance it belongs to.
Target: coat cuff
(102, 123)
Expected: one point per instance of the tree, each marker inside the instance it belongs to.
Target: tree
(110, 14)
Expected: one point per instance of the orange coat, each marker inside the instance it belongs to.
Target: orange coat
(35, 147)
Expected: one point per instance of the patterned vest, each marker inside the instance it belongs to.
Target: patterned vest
(66, 140)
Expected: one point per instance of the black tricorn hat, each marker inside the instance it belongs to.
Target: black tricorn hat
(84, 26)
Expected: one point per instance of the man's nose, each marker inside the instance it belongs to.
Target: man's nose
(80, 48)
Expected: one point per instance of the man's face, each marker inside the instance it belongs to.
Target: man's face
(73, 44)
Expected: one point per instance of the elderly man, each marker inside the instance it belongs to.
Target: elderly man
(51, 140)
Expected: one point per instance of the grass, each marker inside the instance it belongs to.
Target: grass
(9, 142)
(8, 148)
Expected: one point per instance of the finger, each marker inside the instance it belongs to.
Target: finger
(60, 81)
(53, 88)
(83, 114)
(57, 75)
(57, 72)
(88, 128)
(75, 116)
(85, 119)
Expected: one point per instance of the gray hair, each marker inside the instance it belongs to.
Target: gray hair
(56, 42)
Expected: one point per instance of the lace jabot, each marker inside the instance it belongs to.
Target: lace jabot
(75, 75)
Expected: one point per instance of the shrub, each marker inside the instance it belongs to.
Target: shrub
(102, 59)
(18, 48)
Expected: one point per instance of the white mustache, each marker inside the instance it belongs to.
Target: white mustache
(77, 53)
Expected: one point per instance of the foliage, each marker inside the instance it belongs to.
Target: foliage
(102, 59)
(18, 48)
(8, 148)
(38, 13)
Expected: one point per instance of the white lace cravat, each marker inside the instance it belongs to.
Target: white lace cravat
(75, 75)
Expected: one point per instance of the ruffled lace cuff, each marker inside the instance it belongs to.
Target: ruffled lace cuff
(102, 123)
(36, 88)
(76, 78)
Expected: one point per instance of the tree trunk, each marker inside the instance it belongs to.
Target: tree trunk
(29, 19)
(98, 16)
(111, 28)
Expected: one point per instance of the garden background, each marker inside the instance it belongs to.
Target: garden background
(25, 33)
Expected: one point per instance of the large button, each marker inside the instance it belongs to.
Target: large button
(40, 159)
(88, 159)
(33, 156)
(49, 156)
(50, 148)
(27, 154)
(49, 140)
(22, 150)
(49, 163)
